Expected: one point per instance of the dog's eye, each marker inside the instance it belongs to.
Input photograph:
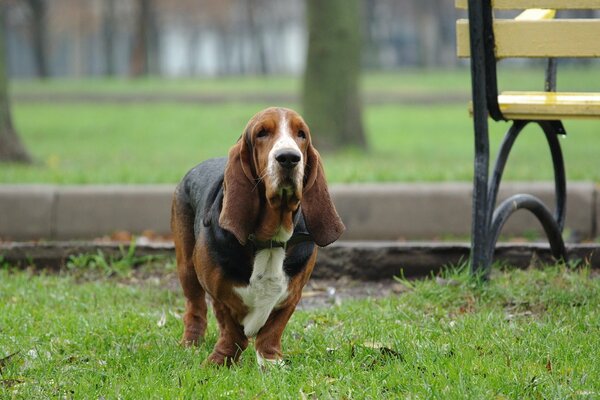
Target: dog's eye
(262, 133)
(302, 134)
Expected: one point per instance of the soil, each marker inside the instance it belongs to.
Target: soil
(318, 293)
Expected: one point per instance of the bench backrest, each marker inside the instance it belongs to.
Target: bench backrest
(534, 33)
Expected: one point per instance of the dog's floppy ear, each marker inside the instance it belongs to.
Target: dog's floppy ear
(241, 202)
(322, 220)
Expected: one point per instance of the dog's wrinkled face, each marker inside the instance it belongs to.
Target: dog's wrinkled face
(280, 138)
(270, 169)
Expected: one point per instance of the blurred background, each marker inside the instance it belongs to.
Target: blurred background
(208, 38)
(139, 91)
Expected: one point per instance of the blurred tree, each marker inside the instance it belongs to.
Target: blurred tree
(144, 56)
(11, 147)
(109, 25)
(193, 16)
(38, 35)
(429, 32)
(371, 50)
(331, 99)
(254, 8)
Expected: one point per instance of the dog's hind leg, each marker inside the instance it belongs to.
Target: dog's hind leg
(182, 227)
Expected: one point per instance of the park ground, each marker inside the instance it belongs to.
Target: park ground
(103, 328)
(106, 330)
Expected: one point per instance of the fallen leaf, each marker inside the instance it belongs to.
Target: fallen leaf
(400, 288)
(163, 320)
(311, 293)
(382, 349)
(11, 382)
(121, 236)
(446, 282)
(386, 351)
(511, 316)
(549, 365)
(4, 361)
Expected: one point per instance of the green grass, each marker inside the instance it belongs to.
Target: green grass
(403, 81)
(158, 143)
(528, 334)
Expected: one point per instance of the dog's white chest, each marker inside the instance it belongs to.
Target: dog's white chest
(267, 288)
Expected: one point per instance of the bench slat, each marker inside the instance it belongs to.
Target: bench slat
(523, 4)
(548, 105)
(536, 14)
(532, 39)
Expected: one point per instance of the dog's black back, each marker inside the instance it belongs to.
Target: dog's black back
(201, 191)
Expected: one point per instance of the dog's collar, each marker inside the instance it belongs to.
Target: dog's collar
(265, 244)
(297, 237)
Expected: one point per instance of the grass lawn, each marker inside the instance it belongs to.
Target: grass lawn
(406, 80)
(527, 334)
(158, 143)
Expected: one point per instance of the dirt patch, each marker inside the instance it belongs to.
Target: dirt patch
(318, 293)
(322, 293)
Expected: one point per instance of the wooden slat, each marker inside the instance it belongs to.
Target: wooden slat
(548, 106)
(524, 4)
(546, 38)
(536, 14)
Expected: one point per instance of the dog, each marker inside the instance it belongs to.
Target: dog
(246, 230)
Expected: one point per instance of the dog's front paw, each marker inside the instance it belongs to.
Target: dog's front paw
(265, 363)
(191, 343)
(190, 339)
(220, 360)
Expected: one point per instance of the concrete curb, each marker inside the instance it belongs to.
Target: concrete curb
(358, 260)
(387, 211)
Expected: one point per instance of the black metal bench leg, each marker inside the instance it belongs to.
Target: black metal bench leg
(552, 130)
(502, 158)
(552, 224)
(481, 213)
(537, 207)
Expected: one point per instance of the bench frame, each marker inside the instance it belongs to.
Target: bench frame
(487, 220)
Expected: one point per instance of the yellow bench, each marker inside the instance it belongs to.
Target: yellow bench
(535, 33)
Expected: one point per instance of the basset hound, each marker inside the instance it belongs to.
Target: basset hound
(246, 230)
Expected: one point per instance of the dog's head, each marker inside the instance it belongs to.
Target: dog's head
(274, 164)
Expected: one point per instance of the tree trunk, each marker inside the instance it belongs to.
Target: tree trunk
(108, 36)
(428, 28)
(259, 57)
(193, 53)
(38, 36)
(331, 99)
(144, 57)
(11, 148)
(371, 46)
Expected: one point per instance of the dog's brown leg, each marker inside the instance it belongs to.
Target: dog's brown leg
(232, 340)
(268, 339)
(194, 319)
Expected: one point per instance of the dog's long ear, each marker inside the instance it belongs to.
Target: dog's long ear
(241, 202)
(322, 220)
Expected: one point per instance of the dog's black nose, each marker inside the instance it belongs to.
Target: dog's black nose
(287, 159)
